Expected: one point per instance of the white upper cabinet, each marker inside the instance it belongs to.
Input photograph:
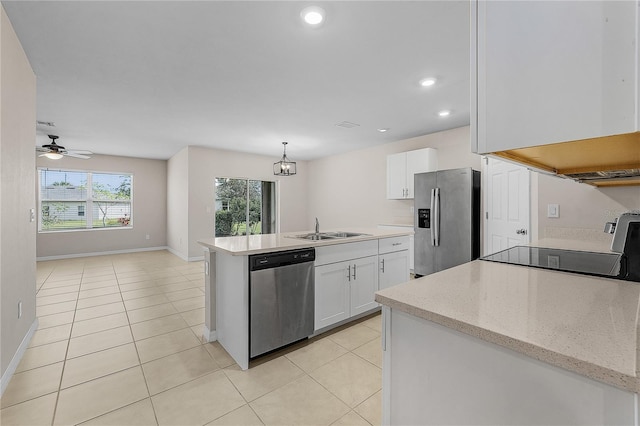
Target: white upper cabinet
(402, 166)
(552, 71)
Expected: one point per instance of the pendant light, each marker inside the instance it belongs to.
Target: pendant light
(284, 167)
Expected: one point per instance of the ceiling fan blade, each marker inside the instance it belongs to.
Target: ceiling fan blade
(75, 155)
(41, 149)
(81, 152)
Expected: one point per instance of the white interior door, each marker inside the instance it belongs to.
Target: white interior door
(506, 204)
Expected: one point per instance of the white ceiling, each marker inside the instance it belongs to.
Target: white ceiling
(145, 79)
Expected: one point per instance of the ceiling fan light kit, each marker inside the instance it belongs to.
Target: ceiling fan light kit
(284, 167)
(52, 155)
(53, 151)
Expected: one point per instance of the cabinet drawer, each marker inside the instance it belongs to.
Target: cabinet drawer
(347, 251)
(388, 245)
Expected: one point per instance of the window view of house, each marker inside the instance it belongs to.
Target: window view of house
(84, 200)
(244, 207)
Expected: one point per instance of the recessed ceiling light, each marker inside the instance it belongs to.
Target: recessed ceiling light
(444, 113)
(426, 82)
(312, 15)
(383, 130)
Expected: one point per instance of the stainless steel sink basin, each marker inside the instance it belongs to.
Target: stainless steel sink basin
(315, 237)
(345, 234)
(327, 236)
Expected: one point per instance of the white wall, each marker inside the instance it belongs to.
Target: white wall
(349, 190)
(17, 197)
(203, 166)
(149, 209)
(584, 209)
(177, 203)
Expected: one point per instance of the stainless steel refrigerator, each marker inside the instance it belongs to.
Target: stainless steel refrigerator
(446, 219)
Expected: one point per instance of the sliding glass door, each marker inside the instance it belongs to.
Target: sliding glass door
(244, 207)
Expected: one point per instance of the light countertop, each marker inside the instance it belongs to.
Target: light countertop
(585, 324)
(267, 243)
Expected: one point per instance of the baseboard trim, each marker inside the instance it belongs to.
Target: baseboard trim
(209, 335)
(17, 357)
(103, 253)
(183, 257)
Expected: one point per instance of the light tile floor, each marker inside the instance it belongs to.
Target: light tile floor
(120, 343)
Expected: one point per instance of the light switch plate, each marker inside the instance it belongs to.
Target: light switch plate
(553, 210)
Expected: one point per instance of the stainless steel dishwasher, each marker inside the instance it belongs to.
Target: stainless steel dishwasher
(281, 299)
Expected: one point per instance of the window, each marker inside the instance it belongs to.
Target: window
(244, 207)
(72, 199)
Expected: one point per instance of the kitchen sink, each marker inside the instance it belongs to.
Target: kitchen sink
(315, 237)
(345, 234)
(327, 235)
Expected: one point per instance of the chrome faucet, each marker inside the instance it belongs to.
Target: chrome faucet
(317, 226)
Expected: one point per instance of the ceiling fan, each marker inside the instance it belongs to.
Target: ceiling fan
(54, 151)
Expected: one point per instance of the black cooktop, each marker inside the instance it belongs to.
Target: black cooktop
(610, 265)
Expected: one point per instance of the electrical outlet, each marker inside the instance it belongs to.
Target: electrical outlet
(32, 215)
(148, 236)
(20, 309)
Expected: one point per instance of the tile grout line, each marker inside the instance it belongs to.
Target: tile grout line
(144, 376)
(55, 407)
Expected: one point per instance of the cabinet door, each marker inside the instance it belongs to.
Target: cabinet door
(332, 294)
(396, 176)
(419, 161)
(394, 268)
(363, 284)
(552, 71)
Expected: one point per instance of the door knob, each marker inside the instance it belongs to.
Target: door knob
(521, 231)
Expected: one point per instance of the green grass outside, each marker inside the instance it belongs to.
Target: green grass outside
(81, 224)
(242, 228)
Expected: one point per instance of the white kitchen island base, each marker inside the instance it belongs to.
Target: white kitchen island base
(434, 375)
(347, 297)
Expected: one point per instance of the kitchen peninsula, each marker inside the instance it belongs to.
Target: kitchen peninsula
(492, 343)
(349, 268)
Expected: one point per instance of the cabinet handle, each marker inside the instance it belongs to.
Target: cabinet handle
(396, 244)
(382, 262)
(349, 273)
(354, 272)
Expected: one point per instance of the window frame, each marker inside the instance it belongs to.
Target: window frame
(88, 201)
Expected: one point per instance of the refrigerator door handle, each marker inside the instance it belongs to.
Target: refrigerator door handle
(436, 214)
(431, 216)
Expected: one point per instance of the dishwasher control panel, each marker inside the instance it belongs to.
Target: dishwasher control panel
(281, 258)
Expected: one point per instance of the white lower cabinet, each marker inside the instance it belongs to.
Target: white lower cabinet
(332, 294)
(344, 289)
(363, 285)
(394, 268)
(393, 261)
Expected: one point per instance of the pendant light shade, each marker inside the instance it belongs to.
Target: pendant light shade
(284, 167)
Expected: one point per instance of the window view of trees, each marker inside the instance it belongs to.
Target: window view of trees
(107, 195)
(81, 200)
(241, 205)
